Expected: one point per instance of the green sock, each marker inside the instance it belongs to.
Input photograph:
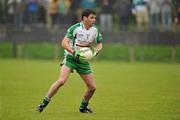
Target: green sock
(46, 100)
(84, 104)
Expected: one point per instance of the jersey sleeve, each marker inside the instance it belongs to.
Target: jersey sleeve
(99, 38)
(69, 33)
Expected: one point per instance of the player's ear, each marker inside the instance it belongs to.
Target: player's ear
(85, 18)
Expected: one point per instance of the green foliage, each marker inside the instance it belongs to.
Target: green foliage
(35, 50)
(125, 91)
(154, 53)
(6, 50)
(109, 52)
(150, 53)
(178, 53)
(114, 52)
(2, 11)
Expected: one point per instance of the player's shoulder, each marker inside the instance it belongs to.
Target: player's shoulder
(95, 28)
(73, 27)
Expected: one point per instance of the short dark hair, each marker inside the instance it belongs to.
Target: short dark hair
(87, 12)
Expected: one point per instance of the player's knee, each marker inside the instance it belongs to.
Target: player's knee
(60, 82)
(93, 88)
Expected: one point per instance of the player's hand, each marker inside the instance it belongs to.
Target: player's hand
(95, 52)
(79, 55)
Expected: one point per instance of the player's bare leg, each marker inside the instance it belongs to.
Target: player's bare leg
(63, 77)
(91, 87)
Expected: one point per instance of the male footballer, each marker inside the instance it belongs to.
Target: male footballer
(82, 34)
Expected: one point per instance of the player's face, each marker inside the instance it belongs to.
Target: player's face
(91, 19)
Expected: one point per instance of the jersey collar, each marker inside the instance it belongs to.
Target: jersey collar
(83, 26)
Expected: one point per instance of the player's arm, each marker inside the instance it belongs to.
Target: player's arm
(99, 46)
(97, 49)
(66, 46)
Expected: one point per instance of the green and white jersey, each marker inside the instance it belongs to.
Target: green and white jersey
(81, 37)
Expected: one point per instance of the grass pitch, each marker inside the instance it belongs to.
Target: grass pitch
(125, 91)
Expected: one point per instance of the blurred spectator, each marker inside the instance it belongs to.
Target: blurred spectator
(85, 4)
(140, 10)
(43, 10)
(106, 16)
(155, 8)
(16, 9)
(11, 9)
(166, 14)
(61, 11)
(123, 9)
(45, 5)
(64, 12)
(53, 11)
(19, 13)
(32, 8)
(68, 15)
(74, 10)
(2, 11)
(88, 4)
(176, 19)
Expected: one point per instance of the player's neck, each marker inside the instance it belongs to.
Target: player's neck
(85, 25)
